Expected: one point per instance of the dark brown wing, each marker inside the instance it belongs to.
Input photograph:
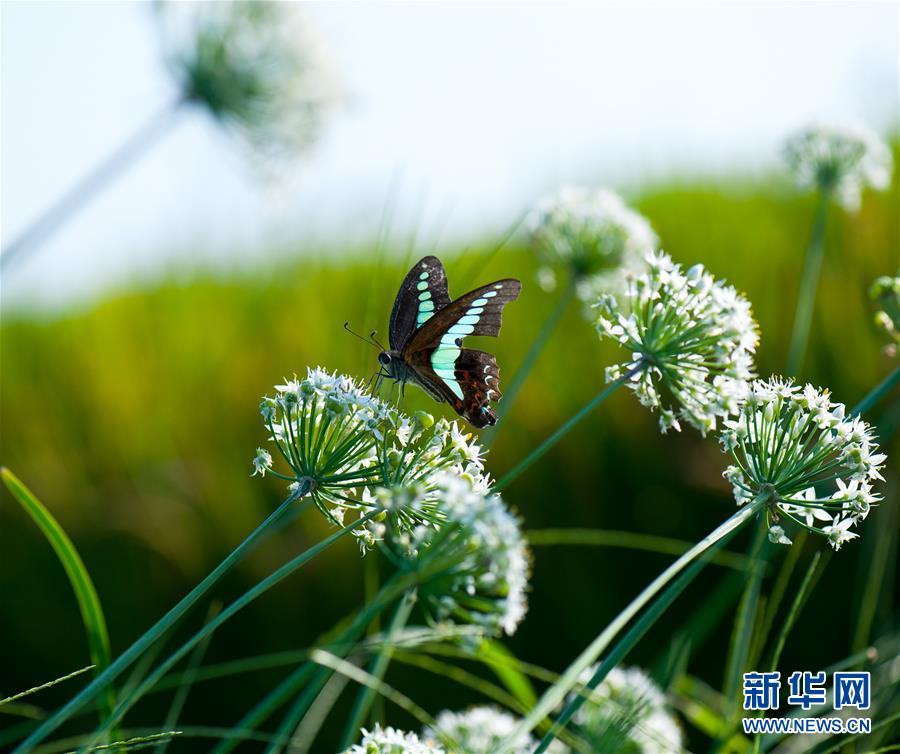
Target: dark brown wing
(467, 378)
(474, 383)
(422, 293)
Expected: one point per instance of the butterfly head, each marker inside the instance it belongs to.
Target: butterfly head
(392, 365)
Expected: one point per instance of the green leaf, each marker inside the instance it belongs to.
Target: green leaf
(79, 578)
(506, 667)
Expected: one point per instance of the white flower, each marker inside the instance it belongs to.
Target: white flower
(844, 159)
(627, 713)
(885, 291)
(838, 532)
(344, 445)
(592, 235)
(480, 730)
(777, 536)
(691, 340)
(799, 449)
(262, 462)
(392, 741)
(472, 561)
(256, 67)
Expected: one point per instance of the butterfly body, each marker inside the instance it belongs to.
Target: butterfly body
(426, 340)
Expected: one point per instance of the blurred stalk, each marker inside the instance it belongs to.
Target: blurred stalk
(377, 669)
(569, 679)
(88, 187)
(161, 626)
(541, 449)
(877, 393)
(537, 346)
(276, 577)
(812, 268)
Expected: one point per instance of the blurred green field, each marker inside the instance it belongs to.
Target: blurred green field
(135, 420)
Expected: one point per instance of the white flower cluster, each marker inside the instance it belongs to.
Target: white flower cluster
(692, 340)
(801, 450)
(473, 565)
(840, 159)
(480, 730)
(343, 445)
(258, 68)
(592, 235)
(885, 291)
(392, 741)
(627, 713)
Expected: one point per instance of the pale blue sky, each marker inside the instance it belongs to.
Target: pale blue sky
(471, 110)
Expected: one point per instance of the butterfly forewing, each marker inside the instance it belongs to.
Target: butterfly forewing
(469, 379)
(423, 292)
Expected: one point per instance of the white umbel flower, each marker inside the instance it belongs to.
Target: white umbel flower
(591, 236)
(843, 159)
(885, 291)
(392, 741)
(472, 563)
(627, 714)
(691, 338)
(258, 68)
(480, 730)
(342, 445)
(800, 450)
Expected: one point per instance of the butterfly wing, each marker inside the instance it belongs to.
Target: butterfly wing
(469, 385)
(468, 379)
(422, 293)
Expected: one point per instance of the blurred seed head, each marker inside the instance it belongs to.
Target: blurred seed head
(258, 68)
(885, 292)
(842, 159)
(692, 341)
(479, 730)
(392, 741)
(472, 562)
(815, 464)
(590, 235)
(627, 713)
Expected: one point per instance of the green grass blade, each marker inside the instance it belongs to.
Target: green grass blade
(49, 684)
(629, 540)
(85, 593)
(506, 667)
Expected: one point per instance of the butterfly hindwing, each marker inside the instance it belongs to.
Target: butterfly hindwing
(422, 293)
(469, 385)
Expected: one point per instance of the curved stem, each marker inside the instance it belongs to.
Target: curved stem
(541, 449)
(82, 192)
(378, 668)
(531, 357)
(878, 392)
(161, 626)
(241, 602)
(557, 693)
(809, 282)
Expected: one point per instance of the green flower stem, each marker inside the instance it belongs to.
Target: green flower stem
(537, 346)
(747, 614)
(570, 678)
(79, 195)
(541, 449)
(378, 668)
(161, 626)
(812, 267)
(241, 602)
(344, 642)
(877, 393)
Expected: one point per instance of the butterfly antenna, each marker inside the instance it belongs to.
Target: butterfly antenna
(357, 335)
(375, 340)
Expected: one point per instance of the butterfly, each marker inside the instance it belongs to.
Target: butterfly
(426, 340)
